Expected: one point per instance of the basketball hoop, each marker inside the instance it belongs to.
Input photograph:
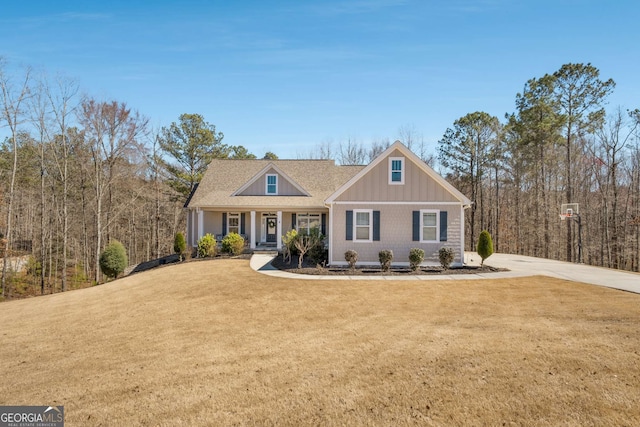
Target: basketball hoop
(568, 210)
(571, 211)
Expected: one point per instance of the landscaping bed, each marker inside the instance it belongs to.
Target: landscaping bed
(309, 267)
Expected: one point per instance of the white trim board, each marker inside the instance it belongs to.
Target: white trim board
(398, 203)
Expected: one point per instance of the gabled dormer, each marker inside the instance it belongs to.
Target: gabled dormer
(271, 181)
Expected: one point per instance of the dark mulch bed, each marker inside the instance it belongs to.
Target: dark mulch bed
(309, 267)
(172, 259)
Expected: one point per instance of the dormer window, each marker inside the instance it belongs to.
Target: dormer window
(272, 184)
(396, 170)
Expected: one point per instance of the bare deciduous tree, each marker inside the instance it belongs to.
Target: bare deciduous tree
(12, 99)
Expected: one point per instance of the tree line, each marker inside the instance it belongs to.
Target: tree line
(560, 146)
(77, 173)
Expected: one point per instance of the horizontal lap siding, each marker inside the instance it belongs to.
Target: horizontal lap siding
(395, 233)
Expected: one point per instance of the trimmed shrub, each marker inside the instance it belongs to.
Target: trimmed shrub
(485, 246)
(179, 245)
(446, 256)
(319, 254)
(416, 256)
(113, 260)
(351, 257)
(233, 244)
(385, 256)
(207, 246)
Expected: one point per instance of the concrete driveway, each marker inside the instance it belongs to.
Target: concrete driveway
(528, 266)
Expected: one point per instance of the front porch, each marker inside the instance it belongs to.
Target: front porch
(262, 229)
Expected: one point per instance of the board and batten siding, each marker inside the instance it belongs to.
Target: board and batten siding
(418, 186)
(258, 188)
(396, 233)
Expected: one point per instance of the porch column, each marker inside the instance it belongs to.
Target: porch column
(200, 223)
(329, 229)
(253, 230)
(279, 231)
(462, 261)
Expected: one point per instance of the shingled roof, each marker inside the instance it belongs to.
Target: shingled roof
(319, 178)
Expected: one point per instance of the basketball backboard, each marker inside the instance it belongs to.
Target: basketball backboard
(568, 210)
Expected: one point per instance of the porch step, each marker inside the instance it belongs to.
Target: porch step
(266, 251)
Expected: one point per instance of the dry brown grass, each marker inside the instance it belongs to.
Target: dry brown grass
(214, 343)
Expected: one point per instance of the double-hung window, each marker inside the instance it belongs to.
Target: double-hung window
(272, 184)
(233, 223)
(430, 226)
(362, 225)
(396, 170)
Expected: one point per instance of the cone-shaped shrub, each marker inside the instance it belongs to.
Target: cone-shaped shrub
(179, 245)
(485, 246)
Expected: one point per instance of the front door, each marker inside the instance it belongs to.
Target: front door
(272, 228)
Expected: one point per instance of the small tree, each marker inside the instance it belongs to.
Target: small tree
(233, 244)
(351, 257)
(207, 246)
(446, 256)
(304, 241)
(113, 259)
(416, 256)
(179, 245)
(485, 246)
(385, 256)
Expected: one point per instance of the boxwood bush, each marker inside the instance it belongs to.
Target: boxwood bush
(385, 256)
(113, 259)
(446, 256)
(351, 257)
(416, 257)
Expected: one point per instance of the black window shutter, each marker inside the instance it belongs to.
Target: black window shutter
(293, 221)
(349, 216)
(323, 224)
(416, 226)
(224, 223)
(376, 226)
(443, 226)
(243, 229)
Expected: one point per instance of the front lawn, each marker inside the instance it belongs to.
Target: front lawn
(215, 343)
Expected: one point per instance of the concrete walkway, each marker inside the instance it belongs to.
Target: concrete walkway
(518, 265)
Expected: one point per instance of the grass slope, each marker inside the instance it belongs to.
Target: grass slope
(214, 343)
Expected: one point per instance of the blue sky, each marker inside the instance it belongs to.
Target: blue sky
(283, 76)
